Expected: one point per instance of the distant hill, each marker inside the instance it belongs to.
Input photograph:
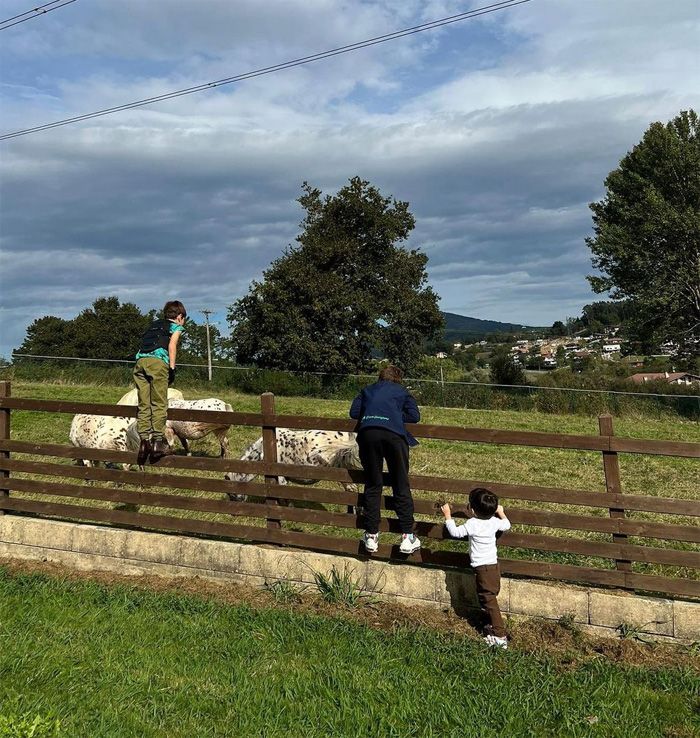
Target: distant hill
(463, 328)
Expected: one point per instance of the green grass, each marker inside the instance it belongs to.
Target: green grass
(122, 662)
(649, 475)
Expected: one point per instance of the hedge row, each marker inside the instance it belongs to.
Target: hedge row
(449, 394)
(256, 381)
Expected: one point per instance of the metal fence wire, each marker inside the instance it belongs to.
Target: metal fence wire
(436, 391)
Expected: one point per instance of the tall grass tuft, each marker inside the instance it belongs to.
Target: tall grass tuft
(340, 587)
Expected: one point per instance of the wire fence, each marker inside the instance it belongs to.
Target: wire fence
(684, 402)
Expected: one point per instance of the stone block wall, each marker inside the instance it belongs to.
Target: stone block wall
(131, 552)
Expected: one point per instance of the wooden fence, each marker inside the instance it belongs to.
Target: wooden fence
(614, 523)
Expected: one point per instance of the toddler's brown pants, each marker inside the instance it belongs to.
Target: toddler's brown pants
(488, 585)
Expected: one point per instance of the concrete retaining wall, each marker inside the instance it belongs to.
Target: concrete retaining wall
(93, 547)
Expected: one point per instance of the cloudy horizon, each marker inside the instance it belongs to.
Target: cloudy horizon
(499, 131)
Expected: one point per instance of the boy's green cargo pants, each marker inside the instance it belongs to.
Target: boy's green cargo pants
(151, 378)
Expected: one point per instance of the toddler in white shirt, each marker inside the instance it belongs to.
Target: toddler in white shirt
(488, 520)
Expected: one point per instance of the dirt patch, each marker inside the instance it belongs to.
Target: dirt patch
(562, 642)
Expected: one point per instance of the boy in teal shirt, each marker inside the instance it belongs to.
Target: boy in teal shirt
(153, 374)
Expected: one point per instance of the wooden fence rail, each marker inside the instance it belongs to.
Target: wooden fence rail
(75, 490)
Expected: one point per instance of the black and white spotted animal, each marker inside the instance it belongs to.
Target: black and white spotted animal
(105, 432)
(111, 433)
(306, 448)
(190, 430)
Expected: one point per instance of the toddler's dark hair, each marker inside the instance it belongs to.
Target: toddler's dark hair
(391, 373)
(483, 502)
(174, 308)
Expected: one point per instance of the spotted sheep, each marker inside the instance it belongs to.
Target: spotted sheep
(105, 432)
(191, 430)
(109, 432)
(305, 448)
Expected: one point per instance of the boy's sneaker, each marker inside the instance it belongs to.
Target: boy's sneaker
(409, 543)
(371, 541)
(492, 640)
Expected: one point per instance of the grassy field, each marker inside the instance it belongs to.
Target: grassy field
(660, 476)
(82, 659)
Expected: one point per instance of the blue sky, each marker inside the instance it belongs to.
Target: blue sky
(499, 131)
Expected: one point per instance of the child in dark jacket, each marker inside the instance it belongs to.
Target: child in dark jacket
(381, 411)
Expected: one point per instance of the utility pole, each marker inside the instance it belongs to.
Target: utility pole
(442, 382)
(207, 313)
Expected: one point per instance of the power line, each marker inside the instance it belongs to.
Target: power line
(274, 68)
(33, 13)
(27, 12)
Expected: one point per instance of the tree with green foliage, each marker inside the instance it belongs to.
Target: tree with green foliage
(646, 240)
(466, 358)
(607, 313)
(557, 329)
(48, 336)
(429, 367)
(347, 289)
(107, 330)
(504, 368)
(193, 346)
(112, 330)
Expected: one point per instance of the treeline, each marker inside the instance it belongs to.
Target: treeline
(597, 316)
(110, 329)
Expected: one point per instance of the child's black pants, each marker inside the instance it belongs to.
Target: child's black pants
(376, 445)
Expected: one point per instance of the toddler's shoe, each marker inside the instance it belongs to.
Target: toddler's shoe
(371, 542)
(409, 543)
(496, 642)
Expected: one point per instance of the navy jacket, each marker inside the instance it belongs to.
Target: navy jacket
(386, 404)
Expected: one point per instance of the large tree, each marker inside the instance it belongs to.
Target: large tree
(347, 289)
(111, 329)
(646, 239)
(193, 347)
(107, 330)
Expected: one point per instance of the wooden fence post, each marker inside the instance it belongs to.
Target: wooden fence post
(267, 408)
(4, 435)
(611, 467)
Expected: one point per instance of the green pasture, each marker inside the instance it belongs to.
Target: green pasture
(652, 475)
(80, 659)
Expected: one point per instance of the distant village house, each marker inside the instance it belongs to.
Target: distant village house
(670, 377)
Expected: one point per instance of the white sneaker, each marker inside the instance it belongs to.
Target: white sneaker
(371, 541)
(409, 543)
(492, 640)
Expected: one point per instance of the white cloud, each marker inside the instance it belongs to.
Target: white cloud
(498, 154)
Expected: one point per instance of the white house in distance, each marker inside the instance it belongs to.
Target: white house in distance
(612, 348)
(670, 377)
